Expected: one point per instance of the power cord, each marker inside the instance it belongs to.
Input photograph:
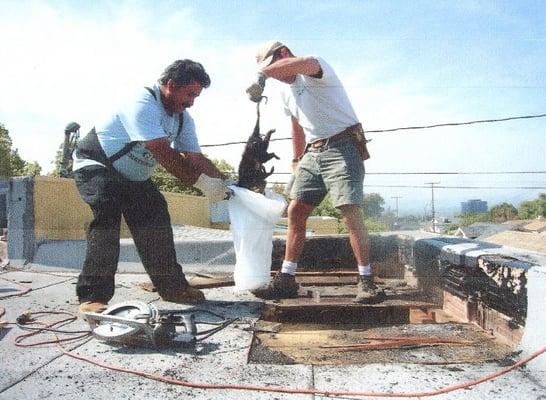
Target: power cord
(27, 319)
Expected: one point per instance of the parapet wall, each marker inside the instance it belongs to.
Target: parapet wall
(49, 209)
(501, 289)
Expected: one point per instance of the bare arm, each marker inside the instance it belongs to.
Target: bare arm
(204, 165)
(291, 66)
(174, 162)
(298, 139)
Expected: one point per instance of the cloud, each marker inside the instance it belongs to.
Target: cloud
(63, 66)
(76, 61)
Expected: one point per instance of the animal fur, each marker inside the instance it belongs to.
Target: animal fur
(252, 173)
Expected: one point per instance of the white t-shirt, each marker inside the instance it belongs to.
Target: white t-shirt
(140, 121)
(320, 105)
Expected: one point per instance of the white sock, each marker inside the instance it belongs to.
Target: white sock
(365, 270)
(289, 267)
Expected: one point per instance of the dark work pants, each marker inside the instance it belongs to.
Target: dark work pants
(145, 210)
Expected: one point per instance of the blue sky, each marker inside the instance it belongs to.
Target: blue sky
(403, 63)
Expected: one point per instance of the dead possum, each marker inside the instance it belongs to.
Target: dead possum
(252, 173)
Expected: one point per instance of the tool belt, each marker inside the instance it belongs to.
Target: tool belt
(354, 132)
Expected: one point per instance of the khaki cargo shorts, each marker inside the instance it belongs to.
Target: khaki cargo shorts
(336, 168)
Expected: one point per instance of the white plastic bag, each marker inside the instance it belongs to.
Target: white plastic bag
(253, 217)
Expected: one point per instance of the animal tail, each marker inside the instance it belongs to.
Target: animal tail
(257, 126)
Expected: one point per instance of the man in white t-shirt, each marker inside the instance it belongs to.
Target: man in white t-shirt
(329, 148)
(112, 168)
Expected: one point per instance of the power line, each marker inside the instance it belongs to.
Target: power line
(444, 187)
(459, 187)
(443, 173)
(481, 121)
(172, 178)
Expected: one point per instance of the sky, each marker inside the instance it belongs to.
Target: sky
(403, 63)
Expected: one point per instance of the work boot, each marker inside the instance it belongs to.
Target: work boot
(282, 286)
(367, 291)
(187, 295)
(93, 307)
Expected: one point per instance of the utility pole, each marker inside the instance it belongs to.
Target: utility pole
(396, 197)
(433, 210)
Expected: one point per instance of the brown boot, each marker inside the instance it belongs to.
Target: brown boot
(92, 307)
(282, 286)
(187, 295)
(367, 291)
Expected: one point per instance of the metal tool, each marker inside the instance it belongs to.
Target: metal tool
(71, 136)
(138, 323)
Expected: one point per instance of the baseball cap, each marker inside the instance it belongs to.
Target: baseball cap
(264, 57)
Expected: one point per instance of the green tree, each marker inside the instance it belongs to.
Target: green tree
(226, 168)
(5, 152)
(375, 225)
(11, 164)
(469, 218)
(59, 159)
(57, 163)
(373, 205)
(533, 208)
(326, 209)
(388, 218)
(168, 183)
(503, 212)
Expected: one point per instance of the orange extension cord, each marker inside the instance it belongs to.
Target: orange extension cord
(328, 393)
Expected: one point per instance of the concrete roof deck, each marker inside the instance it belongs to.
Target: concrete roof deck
(44, 372)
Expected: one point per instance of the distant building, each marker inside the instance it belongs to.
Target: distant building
(473, 206)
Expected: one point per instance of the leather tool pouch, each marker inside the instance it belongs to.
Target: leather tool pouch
(361, 141)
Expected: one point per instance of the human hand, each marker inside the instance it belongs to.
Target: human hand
(214, 189)
(256, 89)
(230, 192)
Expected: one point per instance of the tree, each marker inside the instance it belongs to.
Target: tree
(326, 209)
(168, 183)
(470, 218)
(533, 208)
(57, 163)
(374, 225)
(226, 168)
(373, 205)
(11, 164)
(503, 212)
(388, 217)
(5, 152)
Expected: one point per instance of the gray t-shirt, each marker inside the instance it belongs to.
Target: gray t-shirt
(140, 121)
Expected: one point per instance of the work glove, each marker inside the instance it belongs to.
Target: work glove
(256, 89)
(214, 189)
